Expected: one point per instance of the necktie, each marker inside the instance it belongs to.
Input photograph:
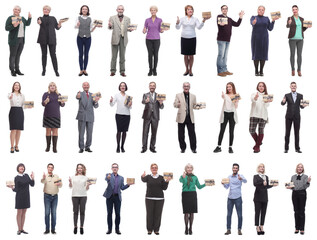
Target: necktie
(87, 94)
(299, 177)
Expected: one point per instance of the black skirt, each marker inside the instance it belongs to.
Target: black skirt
(16, 118)
(188, 46)
(123, 122)
(51, 122)
(189, 201)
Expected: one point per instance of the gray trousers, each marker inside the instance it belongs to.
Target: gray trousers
(15, 53)
(146, 127)
(79, 206)
(82, 126)
(293, 45)
(115, 49)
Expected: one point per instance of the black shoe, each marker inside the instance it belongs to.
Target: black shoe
(302, 232)
(85, 73)
(18, 72)
(43, 73)
(262, 232)
(285, 151)
(261, 74)
(186, 231)
(190, 232)
(118, 149)
(257, 74)
(22, 231)
(186, 73)
(230, 150)
(183, 151)
(46, 232)
(118, 232)
(13, 74)
(80, 74)
(88, 149)
(122, 149)
(19, 232)
(150, 73)
(56, 73)
(75, 230)
(194, 151)
(53, 232)
(298, 151)
(152, 150)
(296, 231)
(81, 150)
(191, 74)
(143, 151)
(81, 231)
(217, 149)
(12, 150)
(109, 232)
(157, 233)
(149, 233)
(154, 73)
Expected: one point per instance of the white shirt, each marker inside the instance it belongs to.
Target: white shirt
(21, 30)
(79, 183)
(228, 106)
(121, 108)
(259, 107)
(17, 100)
(189, 25)
(85, 17)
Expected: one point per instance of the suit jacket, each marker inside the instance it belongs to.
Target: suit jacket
(13, 31)
(293, 108)
(116, 29)
(86, 108)
(181, 114)
(49, 24)
(110, 188)
(260, 194)
(292, 27)
(152, 106)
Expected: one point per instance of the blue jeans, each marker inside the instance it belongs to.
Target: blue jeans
(113, 202)
(83, 48)
(223, 48)
(238, 203)
(50, 203)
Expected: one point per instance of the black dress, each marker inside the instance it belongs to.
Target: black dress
(22, 197)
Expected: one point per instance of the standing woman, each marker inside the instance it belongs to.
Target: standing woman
(258, 115)
(16, 116)
(154, 198)
(22, 196)
(52, 115)
(16, 39)
(188, 37)
(152, 28)
(260, 39)
(122, 114)
(228, 114)
(47, 38)
(80, 187)
(189, 196)
(299, 196)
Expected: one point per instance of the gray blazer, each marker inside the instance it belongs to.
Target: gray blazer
(116, 29)
(152, 106)
(86, 108)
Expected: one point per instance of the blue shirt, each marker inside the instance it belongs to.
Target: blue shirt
(294, 95)
(235, 186)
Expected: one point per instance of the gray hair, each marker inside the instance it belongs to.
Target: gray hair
(17, 6)
(186, 83)
(261, 6)
(154, 7)
(188, 165)
(48, 7)
(120, 6)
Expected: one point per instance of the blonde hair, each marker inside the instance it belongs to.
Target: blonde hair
(262, 7)
(54, 84)
(187, 166)
(297, 167)
(83, 171)
(154, 164)
(261, 164)
(48, 7)
(154, 7)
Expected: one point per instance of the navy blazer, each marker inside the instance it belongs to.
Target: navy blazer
(110, 188)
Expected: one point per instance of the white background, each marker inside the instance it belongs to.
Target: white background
(211, 219)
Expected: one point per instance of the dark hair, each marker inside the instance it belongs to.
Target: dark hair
(115, 164)
(84, 169)
(50, 164)
(13, 87)
(233, 88)
(126, 86)
(293, 83)
(223, 6)
(188, 6)
(294, 6)
(81, 10)
(265, 89)
(20, 165)
(236, 164)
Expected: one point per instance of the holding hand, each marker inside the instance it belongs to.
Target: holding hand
(161, 102)
(16, 23)
(47, 100)
(177, 21)
(97, 99)
(254, 21)
(168, 179)
(241, 14)
(39, 21)
(130, 104)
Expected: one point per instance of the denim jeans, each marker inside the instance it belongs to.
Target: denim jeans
(113, 202)
(50, 203)
(83, 45)
(238, 203)
(223, 48)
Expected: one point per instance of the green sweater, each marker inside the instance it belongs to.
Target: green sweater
(13, 31)
(192, 185)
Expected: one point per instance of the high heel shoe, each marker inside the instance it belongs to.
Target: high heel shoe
(12, 150)
(16, 149)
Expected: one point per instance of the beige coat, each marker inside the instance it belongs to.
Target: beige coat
(116, 29)
(181, 114)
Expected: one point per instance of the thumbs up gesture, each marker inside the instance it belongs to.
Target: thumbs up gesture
(46, 101)
(177, 22)
(78, 94)
(143, 175)
(184, 174)
(108, 175)
(111, 99)
(44, 176)
(29, 15)
(289, 21)
(240, 178)
(254, 21)
(147, 99)
(256, 96)
(109, 23)
(11, 96)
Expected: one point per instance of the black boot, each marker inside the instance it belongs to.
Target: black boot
(48, 143)
(17, 71)
(13, 74)
(55, 144)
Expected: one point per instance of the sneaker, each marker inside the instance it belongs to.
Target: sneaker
(217, 149)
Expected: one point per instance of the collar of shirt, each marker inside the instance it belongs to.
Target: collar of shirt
(294, 93)
(21, 174)
(84, 17)
(299, 174)
(154, 176)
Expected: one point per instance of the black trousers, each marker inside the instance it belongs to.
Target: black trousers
(154, 210)
(15, 53)
(299, 202)
(153, 47)
(113, 202)
(79, 206)
(288, 126)
(228, 117)
(260, 211)
(146, 128)
(191, 133)
(52, 49)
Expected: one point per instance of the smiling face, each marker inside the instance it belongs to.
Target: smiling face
(189, 169)
(86, 86)
(79, 170)
(153, 12)
(235, 170)
(299, 169)
(186, 87)
(16, 87)
(295, 11)
(190, 11)
(261, 169)
(293, 87)
(52, 87)
(261, 11)
(224, 10)
(229, 88)
(152, 87)
(46, 11)
(261, 88)
(21, 170)
(50, 169)
(16, 11)
(120, 10)
(122, 87)
(115, 168)
(154, 169)
(84, 11)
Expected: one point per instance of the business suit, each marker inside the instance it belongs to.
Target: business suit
(114, 199)
(292, 116)
(151, 116)
(85, 117)
(119, 41)
(185, 117)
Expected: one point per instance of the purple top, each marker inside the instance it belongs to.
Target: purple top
(116, 185)
(52, 107)
(153, 28)
(224, 32)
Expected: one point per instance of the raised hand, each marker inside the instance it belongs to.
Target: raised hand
(256, 96)
(32, 176)
(289, 21)
(70, 180)
(111, 99)
(223, 95)
(240, 178)
(143, 175)
(254, 21)
(177, 21)
(78, 94)
(309, 179)
(184, 174)
(44, 176)
(47, 100)
(241, 14)
(147, 99)
(29, 15)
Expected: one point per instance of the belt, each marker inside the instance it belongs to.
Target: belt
(52, 195)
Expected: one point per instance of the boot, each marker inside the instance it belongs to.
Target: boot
(255, 137)
(48, 143)
(55, 144)
(258, 143)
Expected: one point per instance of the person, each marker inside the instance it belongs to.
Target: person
(296, 39)
(223, 39)
(228, 114)
(258, 115)
(260, 39)
(189, 196)
(47, 38)
(185, 103)
(261, 183)
(85, 26)
(16, 38)
(152, 28)
(22, 198)
(119, 24)
(16, 116)
(188, 37)
(151, 117)
(85, 116)
(52, 115)
(113, 195)
(154, 198)
(122, 114)
(299, 197)
(80, 185)
(234, 198)
(293, 100)
(52, 184)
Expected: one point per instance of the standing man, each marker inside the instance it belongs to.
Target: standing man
(119, 24)
(234, 198)
(113, 195)
(85, 116)
(293, 100)
(52, 183)
(223, 40)
(151, 116)
(185, 103)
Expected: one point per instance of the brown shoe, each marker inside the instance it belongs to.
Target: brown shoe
(293, 73)
(299, 73)
(228, 73)
(112, 74)
(239, 232)
(228, 232)
(123, 74)
(222, 74)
